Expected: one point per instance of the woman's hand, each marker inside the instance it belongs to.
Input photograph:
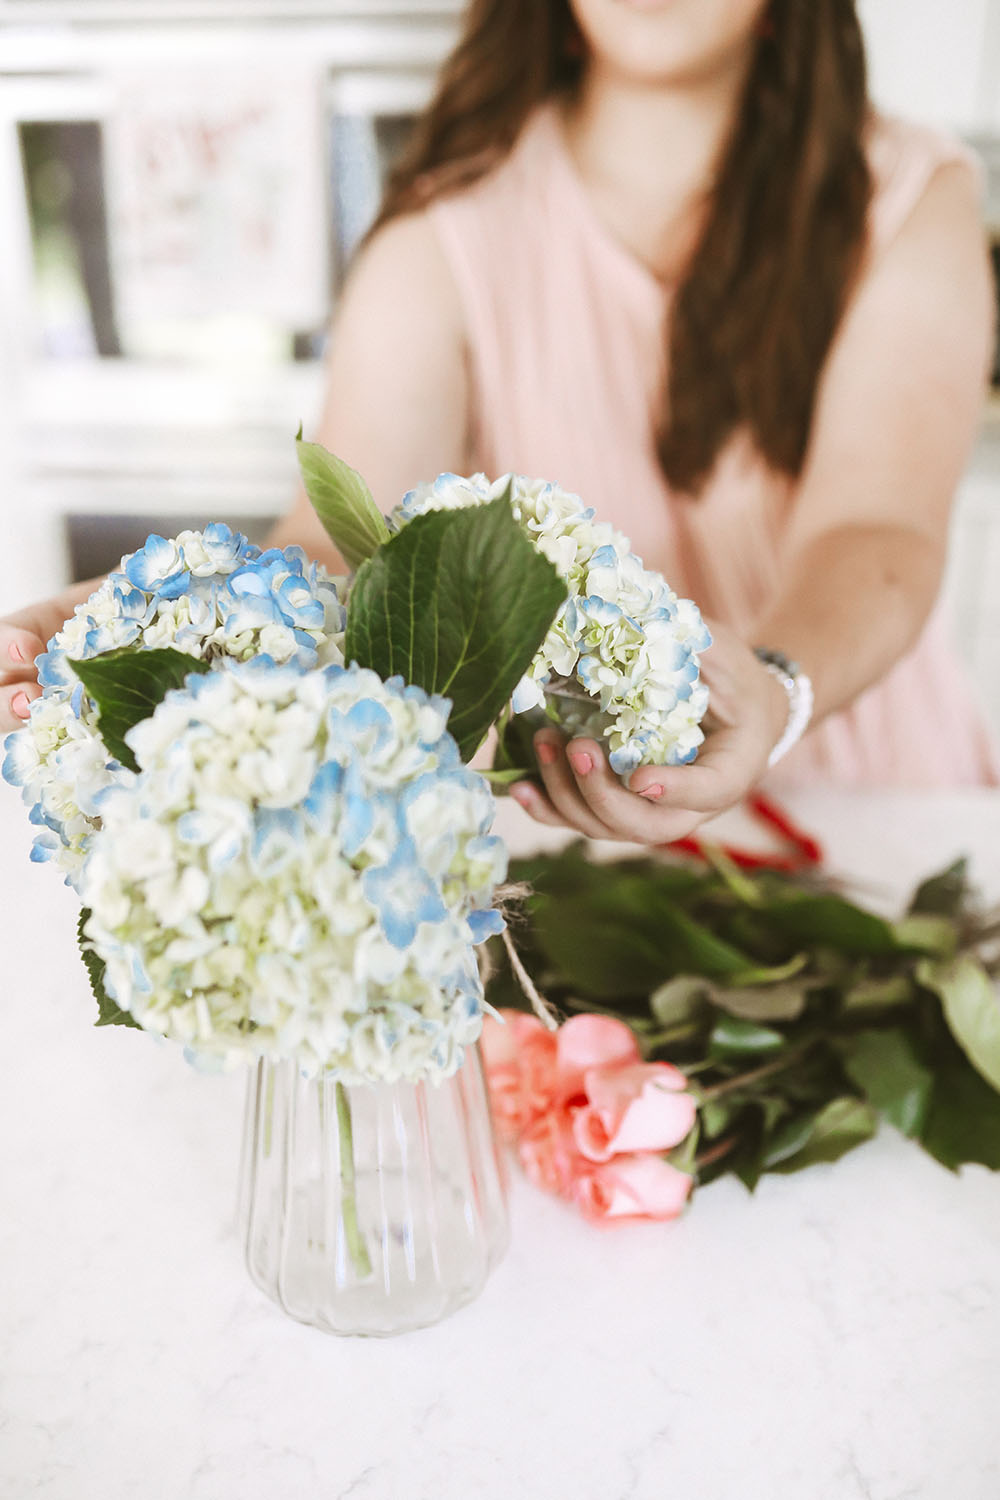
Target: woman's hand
(22, 638)
(749, 710)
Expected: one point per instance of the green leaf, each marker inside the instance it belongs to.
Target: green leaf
(715, 1115)
(878, 994)
(109, 1013)
(823, 1136)
(886, 1068)
(926, 933)
(971, 1008)
(683, 1155)
(830, 922)
(691, 947)
(943, 894)
(775, 1002)
(770, 974)
(599, 945)
(685, 998)
(963, 1121)
(681, 999)
(343, 503)
(732, 1037)
(614, 934)
(127, 685)
(515, 747)
(506, 778)
(459, 603)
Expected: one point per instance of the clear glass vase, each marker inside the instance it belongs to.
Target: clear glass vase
(371, 1208)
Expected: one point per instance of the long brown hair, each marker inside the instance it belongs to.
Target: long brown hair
(754, 315)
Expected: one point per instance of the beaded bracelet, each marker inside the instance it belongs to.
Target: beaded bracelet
(800, 698)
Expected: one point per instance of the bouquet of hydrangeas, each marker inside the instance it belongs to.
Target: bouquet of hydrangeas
(280, 854)
(255, 775)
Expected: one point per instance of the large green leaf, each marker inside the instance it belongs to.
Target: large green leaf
(127, 685)
(622, 935)
(599, 945)
(343, 503)
(886, 1068)
(830, 922)
(109, 1012)
(963, 1121)
(824, 1136)
(459, 603)
(571, 870)
(971, 1008)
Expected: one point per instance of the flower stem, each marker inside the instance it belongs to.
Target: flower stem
(356, 1247)
(743, 1080)
(715, 1153)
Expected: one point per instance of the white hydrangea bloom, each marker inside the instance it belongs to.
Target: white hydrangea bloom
(301, 868)
(209, 594)
(622, 634)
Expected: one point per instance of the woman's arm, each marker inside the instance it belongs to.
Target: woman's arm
(396, 397)
(897, 416)
(864, 551)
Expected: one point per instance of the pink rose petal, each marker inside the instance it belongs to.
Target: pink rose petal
(548, 1153)
(631, 1187)
(585, 1042)
(635, 1107)
(520, 1059)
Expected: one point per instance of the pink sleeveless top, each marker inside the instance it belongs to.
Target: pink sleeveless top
(564, 330)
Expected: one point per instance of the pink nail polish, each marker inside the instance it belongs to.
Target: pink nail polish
(651, 792)
(546, 752)
(581, 762)
(19, 703)
(521, 794)
(14, 652)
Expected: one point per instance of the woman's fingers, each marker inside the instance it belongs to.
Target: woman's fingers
(18, 649)
(15, 704)
(536, 804)
(586, 793)
(561, 788)
(18, 675)
(714, 782)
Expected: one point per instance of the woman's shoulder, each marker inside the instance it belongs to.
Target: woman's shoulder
(488, 228)
(509, 178)
(904, 157)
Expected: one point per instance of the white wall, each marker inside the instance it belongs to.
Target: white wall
(936, 60)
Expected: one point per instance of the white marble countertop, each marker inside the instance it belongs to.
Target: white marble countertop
(836, 1337)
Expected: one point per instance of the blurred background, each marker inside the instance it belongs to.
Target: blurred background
(182, 183)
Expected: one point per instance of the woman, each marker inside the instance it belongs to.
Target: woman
(660, 252)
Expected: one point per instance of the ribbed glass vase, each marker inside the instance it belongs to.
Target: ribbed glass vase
(371, 1208)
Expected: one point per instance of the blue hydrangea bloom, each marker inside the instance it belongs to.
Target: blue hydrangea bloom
(302, 867)
(210, 594)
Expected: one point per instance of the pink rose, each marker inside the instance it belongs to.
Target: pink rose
(520, 1059)
(634, 1107)
(585, 1042)
(588, 1115)
(640, 1186)
(549, 1154)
